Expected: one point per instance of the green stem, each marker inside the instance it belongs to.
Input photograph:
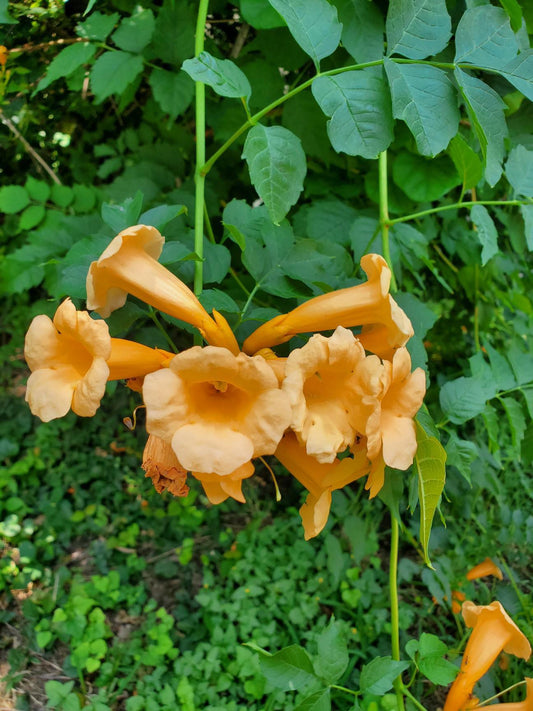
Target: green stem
(343, 688)
(455, 206)
(477, 343)
(208, 228)
(394, 608)
(521, 598)
(199, 179)
(160, 328)
(384, 214)
(413, 699)
(501, 693)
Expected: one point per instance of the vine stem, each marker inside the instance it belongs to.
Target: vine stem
(199, 179)
(394, 608)
(455, 206)
(384, 214)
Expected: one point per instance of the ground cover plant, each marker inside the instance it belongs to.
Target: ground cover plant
(356, 170)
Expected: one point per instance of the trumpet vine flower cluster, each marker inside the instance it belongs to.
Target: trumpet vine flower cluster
(335, 410)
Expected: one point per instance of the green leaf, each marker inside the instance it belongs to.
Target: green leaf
(160, 216)
(519, 171)
(359, 105)
(519, 72)
(31, 217)
(313, 24)
(289, 669)
(319, 701)
(485, 109)
(463, 398)
(328, 221)
(486, 232)
(175, 29)
(527, 216)
(222, 75)
(261, 15)
(66, 62)
(13, 199)
(484, 37)
(362, 29)
(113, 72)
(517, 421)
(466, 161)
(513, 9)
(37, 189)
(438, 670)
(417, 28)
(333, 656)
(461, 453)
(97, 26)
(62, 195)
(430, 645)
(5, 17)
(318, 263)
(118, 217)
(135, 32)
(424, 97)
(378, 676)
(424, 180)
(173, 91)
(277, 166)
(430, 461)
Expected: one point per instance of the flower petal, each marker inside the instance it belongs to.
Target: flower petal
(315, 513)
(206, 447)
(399, 440)
(49, 392)
(90, 390)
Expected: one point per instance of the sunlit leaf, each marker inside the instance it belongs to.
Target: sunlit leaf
(417, 28)
(222, 75)
(484, 37)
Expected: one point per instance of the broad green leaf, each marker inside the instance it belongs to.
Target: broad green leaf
(461, 453)
(97, 26)
(438, 670)
(501, 370)
(66, 62)
(5, 17)
(32, 216)
(519, 72)
(261, 15)
(312, 132)
(486, 232)
(362, 29)
(424, 180)
(318, 263)
(378, 676)
(160, 216)
(519, 171)
(175, 29)
(173, 91)
(328, 220)
(222, 75)
(118, 217)
(527, 216)
(466, 161)
(463, 398)
(359, 106)
(319, 701)
(61, 195)
(332, 658)
(517, 421)
(485, 109)
(13, 199)
(513, 9)
(430, 461)
(417, 28)
(424, 97)
(113, 72)
(135, 32)
(37, 189)
(430, 645)
(289, 669)
(484, 37)
(22, 269)
(277, 166)
(521, 363)
(313, 24)
(219, 300)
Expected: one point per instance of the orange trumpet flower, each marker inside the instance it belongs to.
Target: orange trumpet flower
(493, 631)
(481, 570)
(385, 325)
(129, 266)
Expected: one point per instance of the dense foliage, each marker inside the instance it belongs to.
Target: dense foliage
(414, 141)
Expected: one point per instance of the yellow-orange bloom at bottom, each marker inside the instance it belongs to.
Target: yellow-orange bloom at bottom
(493, 631)
(319, 479)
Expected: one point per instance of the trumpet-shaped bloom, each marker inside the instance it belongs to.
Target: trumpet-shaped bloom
(129, 359)
(525, 705)
(481, 570)
(321, 383)
(67, 357)
(162, 466)
(492, 631)
(129, 266)
(385, 325)
(319, 479)
(398, 395)
(217, 410)
(219, 488)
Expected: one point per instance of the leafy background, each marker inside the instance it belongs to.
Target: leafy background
(113, 597)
